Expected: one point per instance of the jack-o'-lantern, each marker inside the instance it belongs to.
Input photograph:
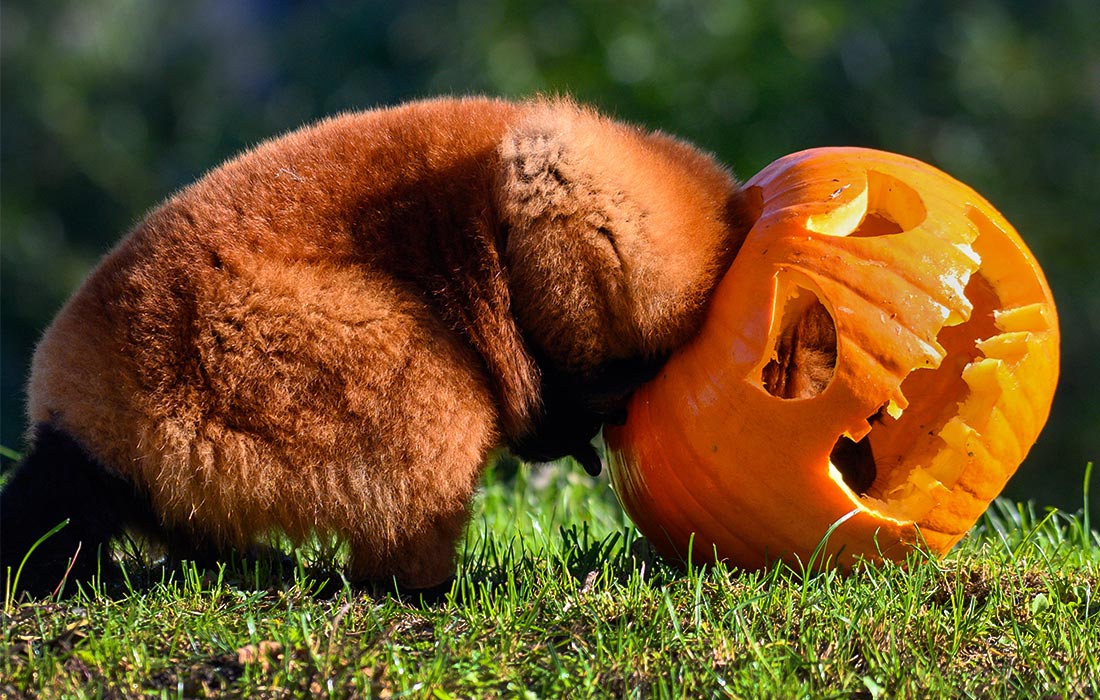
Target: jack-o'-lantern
(880, 356)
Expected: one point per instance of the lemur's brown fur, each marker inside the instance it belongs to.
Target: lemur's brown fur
(805, 355)
(331, 332)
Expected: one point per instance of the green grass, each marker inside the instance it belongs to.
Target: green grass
(558, 597)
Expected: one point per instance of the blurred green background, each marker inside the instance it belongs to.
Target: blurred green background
(109, 106)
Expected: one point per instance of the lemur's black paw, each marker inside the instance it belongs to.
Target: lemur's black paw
(589, 458)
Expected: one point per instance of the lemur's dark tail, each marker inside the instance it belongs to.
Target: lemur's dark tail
(58, 481)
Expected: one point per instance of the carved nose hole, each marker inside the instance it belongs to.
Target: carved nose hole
(856, 463)
(804, 358)
(855, 460)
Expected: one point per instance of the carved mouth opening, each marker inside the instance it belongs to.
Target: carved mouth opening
(920, 444)
(912, 454)
(903, 460)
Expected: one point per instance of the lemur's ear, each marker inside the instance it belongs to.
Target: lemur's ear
(614, 235)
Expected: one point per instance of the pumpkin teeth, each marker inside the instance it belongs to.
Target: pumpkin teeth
(1010, 347)
(957, 311)
(894, 409)
(968, 250)
(1031, 317)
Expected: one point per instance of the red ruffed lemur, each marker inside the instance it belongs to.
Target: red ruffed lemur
(330, 334)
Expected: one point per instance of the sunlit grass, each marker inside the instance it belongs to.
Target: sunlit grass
(559, 597)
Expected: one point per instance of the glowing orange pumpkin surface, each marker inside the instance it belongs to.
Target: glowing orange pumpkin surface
(944, 345)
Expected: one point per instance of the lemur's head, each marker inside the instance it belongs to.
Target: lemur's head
(615, 237)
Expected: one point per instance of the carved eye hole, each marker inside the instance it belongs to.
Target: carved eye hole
(804, 355)
(886, 206)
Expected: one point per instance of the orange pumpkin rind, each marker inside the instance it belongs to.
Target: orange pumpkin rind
(947, 358)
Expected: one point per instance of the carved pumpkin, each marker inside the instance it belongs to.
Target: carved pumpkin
(924, 378)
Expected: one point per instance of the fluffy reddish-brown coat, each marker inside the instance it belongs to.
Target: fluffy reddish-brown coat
(331, 332)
